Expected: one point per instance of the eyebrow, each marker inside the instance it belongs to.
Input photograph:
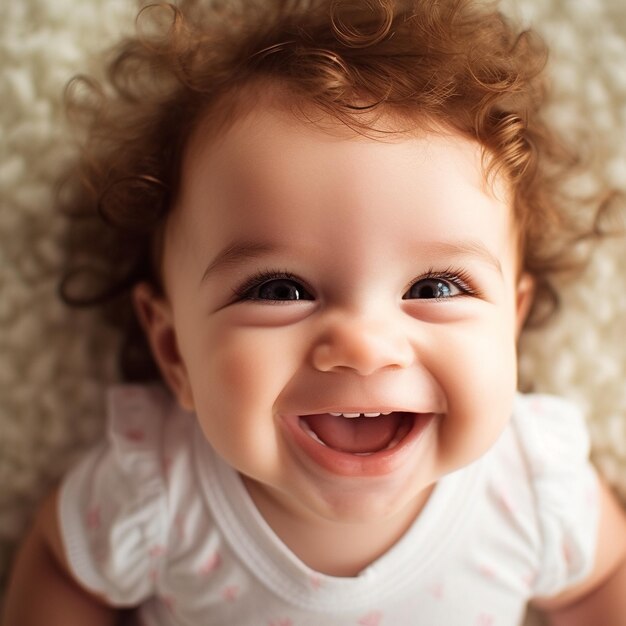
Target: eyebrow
(240, 251)
(472, 248)
(233, 254)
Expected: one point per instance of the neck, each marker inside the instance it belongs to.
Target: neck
(342, 549)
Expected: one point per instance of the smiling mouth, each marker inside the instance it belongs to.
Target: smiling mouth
(360, 434)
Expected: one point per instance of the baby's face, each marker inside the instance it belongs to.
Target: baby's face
(311, 277)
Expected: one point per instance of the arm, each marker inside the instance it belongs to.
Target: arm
(42, 590)
(601, 599)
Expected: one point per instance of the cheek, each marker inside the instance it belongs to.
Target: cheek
(236, 376)
(479, 379)
(251, 364)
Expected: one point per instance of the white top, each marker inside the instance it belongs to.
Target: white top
(154, 518)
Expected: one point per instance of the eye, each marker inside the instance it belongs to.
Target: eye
(273, 289)
(280, 289)
(431, 288)
(449, 284)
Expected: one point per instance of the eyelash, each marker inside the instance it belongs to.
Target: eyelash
(458, 277)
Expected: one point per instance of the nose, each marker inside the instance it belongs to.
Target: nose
(362, 346)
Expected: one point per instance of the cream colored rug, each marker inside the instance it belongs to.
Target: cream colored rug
(55, 363)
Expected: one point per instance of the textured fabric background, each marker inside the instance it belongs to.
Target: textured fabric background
(55, 364)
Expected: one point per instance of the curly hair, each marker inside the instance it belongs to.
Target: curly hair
(455, 63)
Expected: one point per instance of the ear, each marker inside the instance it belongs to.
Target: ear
(525, 294)
(155, 316)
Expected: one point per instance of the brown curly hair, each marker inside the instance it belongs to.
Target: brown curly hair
(453, 62)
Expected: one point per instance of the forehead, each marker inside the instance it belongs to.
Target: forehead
(271, 176)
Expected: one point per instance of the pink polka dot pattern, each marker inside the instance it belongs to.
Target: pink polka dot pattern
(371, 619)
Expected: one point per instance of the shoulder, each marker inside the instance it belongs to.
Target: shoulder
(552, 437)
(552, 431)
(117, 506)
(545, 442)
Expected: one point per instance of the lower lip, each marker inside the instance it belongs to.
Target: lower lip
(347, 464)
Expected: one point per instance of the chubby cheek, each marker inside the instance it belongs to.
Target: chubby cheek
(479, 381)
(235, 381)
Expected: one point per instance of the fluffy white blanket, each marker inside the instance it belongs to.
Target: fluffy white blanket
(55, 363)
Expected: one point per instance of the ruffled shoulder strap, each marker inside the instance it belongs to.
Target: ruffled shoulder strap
(553, 436)
(113, 504)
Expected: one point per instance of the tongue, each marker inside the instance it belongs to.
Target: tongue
(355, 435)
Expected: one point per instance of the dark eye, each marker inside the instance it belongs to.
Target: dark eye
(432, 289)
(281, 289)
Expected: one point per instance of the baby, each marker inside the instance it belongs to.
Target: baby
(332, 221)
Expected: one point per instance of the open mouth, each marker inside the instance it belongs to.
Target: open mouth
(358, 433)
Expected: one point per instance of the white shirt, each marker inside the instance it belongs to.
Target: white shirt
(154, 518)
